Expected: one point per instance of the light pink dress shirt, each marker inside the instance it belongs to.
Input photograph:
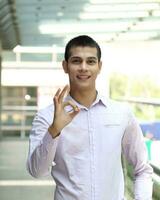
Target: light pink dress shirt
(85, 160)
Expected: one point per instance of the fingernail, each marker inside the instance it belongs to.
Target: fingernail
(76, 109)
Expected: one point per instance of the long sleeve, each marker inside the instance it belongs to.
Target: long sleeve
(42, 146)
(135, 151)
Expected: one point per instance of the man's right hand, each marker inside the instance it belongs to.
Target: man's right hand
(61, 117)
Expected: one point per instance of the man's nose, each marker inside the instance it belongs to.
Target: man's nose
(83, 66)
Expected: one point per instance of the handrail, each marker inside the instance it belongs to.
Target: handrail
(155, 169)
(140, 100)
(23, 108)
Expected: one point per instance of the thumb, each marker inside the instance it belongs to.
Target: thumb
(74, 113)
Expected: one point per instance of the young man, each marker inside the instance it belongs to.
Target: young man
(79, 139)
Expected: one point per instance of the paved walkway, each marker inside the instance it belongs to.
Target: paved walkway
(15, 182)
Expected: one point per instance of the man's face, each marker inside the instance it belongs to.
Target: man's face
(82, 67)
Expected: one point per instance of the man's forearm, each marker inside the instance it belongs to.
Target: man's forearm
(41, 159)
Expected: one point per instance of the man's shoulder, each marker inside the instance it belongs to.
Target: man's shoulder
(116, 106)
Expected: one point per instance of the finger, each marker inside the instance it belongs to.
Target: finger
(61, 96)
(74, 113)
(73, 105)
(74, 108)
(55, 99)
(58, 92)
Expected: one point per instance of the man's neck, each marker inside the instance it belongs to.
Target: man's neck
(85, 98)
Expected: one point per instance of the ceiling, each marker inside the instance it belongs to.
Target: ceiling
(52, 22)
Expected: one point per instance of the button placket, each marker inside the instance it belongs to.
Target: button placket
(92, 151)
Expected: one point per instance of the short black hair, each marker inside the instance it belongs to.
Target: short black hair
(82, 41)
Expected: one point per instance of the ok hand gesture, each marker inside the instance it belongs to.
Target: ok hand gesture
(61, 117)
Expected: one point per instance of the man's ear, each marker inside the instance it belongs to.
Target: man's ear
(65, 66)
(100, 65)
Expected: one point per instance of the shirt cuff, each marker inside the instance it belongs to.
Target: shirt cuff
(49, 142)
(143, 189)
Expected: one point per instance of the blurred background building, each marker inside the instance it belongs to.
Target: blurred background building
(33, 35)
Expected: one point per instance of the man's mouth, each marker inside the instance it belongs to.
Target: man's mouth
(83, 77)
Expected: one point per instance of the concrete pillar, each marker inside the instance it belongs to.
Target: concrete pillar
(0, 88)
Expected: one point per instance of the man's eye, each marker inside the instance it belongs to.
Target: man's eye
(75, 61)
(91, 62)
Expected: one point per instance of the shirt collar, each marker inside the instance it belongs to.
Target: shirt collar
(100, 99)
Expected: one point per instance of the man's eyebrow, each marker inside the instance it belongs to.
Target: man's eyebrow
(92, 57)
(74, 57)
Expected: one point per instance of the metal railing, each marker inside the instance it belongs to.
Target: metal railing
(128, 171)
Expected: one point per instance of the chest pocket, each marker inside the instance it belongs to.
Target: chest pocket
(110, 119)
(110, 129)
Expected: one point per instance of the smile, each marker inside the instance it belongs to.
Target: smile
(83, 77)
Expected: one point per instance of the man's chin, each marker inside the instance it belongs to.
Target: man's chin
(84, 87)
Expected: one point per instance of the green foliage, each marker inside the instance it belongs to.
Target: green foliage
(118, 85)
(126, 87)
